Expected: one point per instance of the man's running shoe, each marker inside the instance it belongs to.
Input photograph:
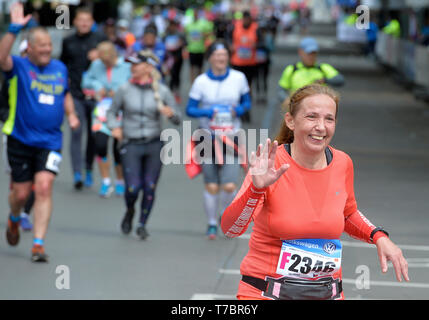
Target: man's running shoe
(78, 181)
(127, 221)
(105, 190)
(119, 189)
(38, 254)
(212, 232)
(25, 222)
(142, 232)
(88, 179)
(12, 232)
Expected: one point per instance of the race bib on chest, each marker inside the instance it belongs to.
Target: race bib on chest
(46, 99)
(244, 53)
(195, 36)
(53, 161)
(261, 56)
(101, 109)
(222, 119)
(309, 258)
(172, 42)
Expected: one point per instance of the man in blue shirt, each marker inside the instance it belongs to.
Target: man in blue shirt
(38, 99)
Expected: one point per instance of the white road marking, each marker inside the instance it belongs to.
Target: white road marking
(357, 244)
(353, 281)
(229, 271)
(391, 283)
(212, 296)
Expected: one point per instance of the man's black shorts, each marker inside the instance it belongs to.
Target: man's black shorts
(25, 161)
(196, 59)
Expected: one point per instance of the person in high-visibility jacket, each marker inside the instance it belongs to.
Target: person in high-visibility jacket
(245, 38)
(393, 28)
(308, 71)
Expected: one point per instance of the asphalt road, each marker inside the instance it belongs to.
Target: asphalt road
(381, 126)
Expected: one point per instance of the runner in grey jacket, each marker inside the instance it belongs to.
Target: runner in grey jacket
(142, 101)
(140, 115)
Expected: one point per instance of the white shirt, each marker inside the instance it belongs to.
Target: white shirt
(219, 92)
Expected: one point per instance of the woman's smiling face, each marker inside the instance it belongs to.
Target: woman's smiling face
(314, 123)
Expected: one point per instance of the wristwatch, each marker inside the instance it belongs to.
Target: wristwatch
(375, 231)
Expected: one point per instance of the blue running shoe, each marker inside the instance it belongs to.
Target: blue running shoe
(88, 179)
(212, 232)
(25, 222)
(105, 190)
(78, 181)
(119, 189)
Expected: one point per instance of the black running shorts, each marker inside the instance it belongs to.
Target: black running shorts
(25, 161)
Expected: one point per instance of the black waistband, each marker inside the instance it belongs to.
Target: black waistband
(262, 285)
(259, 284)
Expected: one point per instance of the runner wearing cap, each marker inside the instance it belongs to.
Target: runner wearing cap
(142, 101)
(219, 97)
(308, 71)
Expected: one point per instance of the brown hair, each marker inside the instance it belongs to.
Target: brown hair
(107, 47)
(85, 10)
(292, 103)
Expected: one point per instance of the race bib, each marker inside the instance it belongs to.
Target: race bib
(172, 42)
(101, 109)
(46, 99)
(222, 119)
(261, 56)
(195, 36)
(53, 162)
(244, 53)
(309, 258)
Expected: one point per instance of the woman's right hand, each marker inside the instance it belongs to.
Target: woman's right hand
(262, 167)
(117, 134)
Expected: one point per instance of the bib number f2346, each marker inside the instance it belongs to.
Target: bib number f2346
(309, 258)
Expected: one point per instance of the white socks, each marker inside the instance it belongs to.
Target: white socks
(226, 199)
(212, 202)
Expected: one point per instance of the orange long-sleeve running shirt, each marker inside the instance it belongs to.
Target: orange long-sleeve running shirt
(302, 204)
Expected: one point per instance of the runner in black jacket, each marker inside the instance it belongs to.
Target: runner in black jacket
(78, 50)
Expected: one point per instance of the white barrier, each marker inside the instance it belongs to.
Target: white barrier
(350, 34)
(408, 58)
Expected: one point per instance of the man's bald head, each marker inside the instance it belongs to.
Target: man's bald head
(39, 46)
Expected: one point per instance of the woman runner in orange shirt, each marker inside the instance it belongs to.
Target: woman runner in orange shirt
(299, 194)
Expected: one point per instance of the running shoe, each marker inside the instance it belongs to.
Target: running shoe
(127, 221)
(38, 254)
(105, 190)
(119, 189)
(12, 232)
(142, 232)
(78, 181)
(88, 179)
(212, 232)
(25, 222)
